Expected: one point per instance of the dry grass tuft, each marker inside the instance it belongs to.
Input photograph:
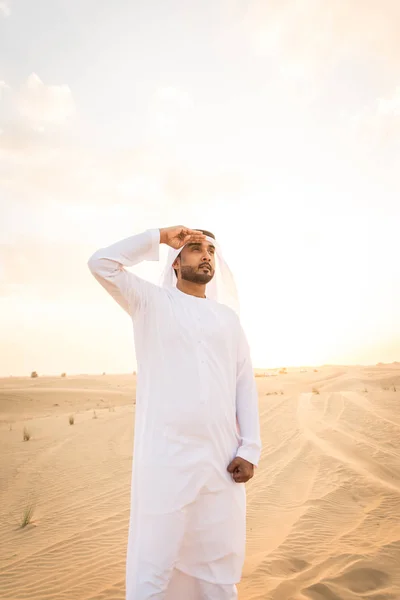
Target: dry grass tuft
(27, 515)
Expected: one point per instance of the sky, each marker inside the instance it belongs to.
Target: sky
(275, 124)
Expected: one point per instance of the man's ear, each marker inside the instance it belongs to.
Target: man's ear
(176, 262)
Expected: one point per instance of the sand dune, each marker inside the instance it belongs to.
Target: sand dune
(323, 509)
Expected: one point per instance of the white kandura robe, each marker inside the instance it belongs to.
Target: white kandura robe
(195, 386)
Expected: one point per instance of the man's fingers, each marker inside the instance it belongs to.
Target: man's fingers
(195, 238)
(233, 465)
(241, 478)
(193, 232)
(192, 237)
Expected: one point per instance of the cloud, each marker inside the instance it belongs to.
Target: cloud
(42, 104)
(378, 125)
(173, 95)
(307, 38)
(3, 87)
(390, 106)
(46, 156)
(49, 269)
(169, 110)
(329, 73)
(37, 156)
(4, 9)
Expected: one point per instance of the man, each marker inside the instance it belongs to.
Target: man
(197, 436)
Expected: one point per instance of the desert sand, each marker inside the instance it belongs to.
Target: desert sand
(323, 508)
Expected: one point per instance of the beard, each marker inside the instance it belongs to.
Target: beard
(194, 275)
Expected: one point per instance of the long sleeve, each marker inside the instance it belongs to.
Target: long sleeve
(107, 266)
(247, 412)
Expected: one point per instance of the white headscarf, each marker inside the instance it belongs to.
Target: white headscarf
(222, 287)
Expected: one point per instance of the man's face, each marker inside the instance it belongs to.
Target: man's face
(196, 262)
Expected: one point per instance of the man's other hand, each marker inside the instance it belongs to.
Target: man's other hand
(241, 470)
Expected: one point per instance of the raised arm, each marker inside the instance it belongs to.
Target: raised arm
(107, 266)
(247, 414)
(129, 290)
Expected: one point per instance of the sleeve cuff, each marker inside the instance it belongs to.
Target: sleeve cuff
(252, 455)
